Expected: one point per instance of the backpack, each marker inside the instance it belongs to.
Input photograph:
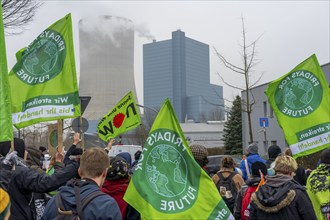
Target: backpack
(227, 189)
(78, 214)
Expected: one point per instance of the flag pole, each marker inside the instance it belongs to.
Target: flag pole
(59, 135)
(82, 133)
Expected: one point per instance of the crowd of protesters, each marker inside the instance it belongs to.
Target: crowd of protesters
(92, 186)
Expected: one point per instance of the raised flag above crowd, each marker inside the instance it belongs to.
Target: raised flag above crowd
(43, 81)
(6, 127)
(123, 117)
(301, 102)
(168, 183)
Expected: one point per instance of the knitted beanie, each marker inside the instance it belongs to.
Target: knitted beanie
(118, 169)
(4, 203)
(200, 153)
(274, 151)
(253, 148)
(256, 166)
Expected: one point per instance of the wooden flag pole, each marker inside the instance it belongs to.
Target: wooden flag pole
(82, 133)
(60, 135)
(12, 146)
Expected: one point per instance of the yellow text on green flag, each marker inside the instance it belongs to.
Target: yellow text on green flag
(43, 81)
(6, 126)
(168, 183)
(122, 118)
(301, 102)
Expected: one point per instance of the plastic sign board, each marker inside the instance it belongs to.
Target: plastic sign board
(263, 122)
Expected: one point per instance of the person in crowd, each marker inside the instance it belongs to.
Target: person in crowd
(127, 157)
(252, 157)
(137, 155)
(43, 151)
(200, 154)
(115, 185)
(244, 196)
(22, 182)
(109, 145)
(273, 152)
(19, 147)
(228, 181)
(56, 163)
(300, 175)
(93, 169)
(4, 205)
(318, 187)
(282, 198)
(34, 157)
(76, 140)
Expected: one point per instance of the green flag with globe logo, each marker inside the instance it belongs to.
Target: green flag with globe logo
(168, 183)
(301, 102)
(43, 81)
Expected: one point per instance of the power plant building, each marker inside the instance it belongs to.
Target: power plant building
(179, 69)
(106, 62)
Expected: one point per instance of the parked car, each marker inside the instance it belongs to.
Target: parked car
(213, 166)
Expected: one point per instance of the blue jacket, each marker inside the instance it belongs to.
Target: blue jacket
(102, 207)
(250, 160)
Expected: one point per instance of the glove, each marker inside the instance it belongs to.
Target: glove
(11, 159)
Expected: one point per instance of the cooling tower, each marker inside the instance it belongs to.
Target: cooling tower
(106, 62)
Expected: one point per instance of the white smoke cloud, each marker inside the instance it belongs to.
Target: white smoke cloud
(108, 26)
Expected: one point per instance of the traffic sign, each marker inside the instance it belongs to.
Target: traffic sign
(263, 122)
(76, 126)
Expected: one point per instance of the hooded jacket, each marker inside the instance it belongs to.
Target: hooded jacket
(251, 183)
(101, 207)
(281, 198)
(24, 181)
(250, 160)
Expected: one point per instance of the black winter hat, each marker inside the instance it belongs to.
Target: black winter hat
(256, 166)
(76, 151)
(274, 151)
(118, 169)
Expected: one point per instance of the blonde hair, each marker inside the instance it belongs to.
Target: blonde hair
(285, 164)
(93, 163)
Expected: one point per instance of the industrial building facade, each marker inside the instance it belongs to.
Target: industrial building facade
(106, 62)
(272, 134)
(179, 69)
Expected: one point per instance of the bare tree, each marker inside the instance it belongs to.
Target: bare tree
(248, 54)
(17, 14)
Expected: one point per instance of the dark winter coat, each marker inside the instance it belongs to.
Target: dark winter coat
(281, 198)
(25, 181)
(252, 182)
(101, 207)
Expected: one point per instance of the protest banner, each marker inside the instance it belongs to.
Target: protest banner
(6, 126)
(301, 102)
(122, 118)
(167, 182)
(43, 81)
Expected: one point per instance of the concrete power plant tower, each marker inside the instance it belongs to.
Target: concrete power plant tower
(106, 62)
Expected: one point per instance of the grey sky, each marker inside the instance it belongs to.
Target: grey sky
(291, 30)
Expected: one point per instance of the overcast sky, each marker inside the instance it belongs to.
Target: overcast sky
(291, 31)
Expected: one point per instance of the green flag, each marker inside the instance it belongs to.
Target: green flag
(43, 81)
(301, 102)
(6, 126)
(123, 117)
(168, 183)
